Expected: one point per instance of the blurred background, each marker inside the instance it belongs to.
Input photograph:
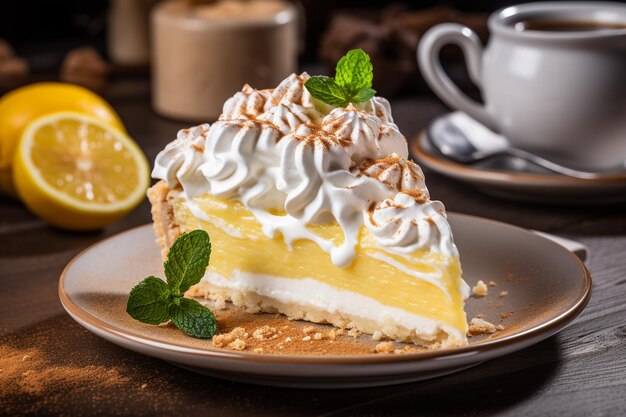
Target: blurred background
(71, 39)
(164, 65)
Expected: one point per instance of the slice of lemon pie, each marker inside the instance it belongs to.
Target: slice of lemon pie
(315, 212)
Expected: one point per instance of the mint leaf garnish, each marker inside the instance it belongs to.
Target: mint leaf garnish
(364, 94)
(352, 83)
(187, 261)
(193, 318)
(325, 89)
(149, 301)
(354, 71)
(154, 301)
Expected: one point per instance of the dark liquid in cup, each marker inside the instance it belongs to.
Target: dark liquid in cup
(566, 25)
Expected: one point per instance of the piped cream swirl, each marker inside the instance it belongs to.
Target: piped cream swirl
(179, 162)
(278, 150)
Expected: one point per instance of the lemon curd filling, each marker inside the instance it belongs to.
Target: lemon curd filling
(423, 283)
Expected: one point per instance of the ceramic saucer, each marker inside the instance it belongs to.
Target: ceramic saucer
(507, 177)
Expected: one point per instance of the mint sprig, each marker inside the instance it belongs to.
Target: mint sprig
(354, 71)
(149, 301)
(352, 83)
(193, 318)
(327, 90)
(187, 261)
(154, 301)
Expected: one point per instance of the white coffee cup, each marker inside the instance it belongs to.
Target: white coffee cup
(557, 93)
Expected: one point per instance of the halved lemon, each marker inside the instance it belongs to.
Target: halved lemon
(23, 105)
(77, 172)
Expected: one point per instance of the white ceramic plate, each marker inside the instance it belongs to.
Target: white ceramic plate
(547, 286)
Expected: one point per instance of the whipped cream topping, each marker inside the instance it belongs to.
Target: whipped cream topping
(280, 150)
(179, 162)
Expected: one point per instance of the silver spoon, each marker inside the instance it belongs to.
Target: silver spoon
(455, 145)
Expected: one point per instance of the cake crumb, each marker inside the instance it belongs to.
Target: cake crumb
(384, 347)
(258, 350)
(224, 340)
(354, 332)
(221, 340)
(265, 333)
(377, 335)
(500, 327)
(492, 283)
(504, 293)
(287, 339)
(479, 326)
(480, 315)
(504, 316)
(317, 336)
(237, 344)
(480, 290)
(219, 303)
(306, 338)
(308, 329)
(239, 332)
(405, 349)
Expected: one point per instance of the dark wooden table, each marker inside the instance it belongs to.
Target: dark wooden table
(579, 372)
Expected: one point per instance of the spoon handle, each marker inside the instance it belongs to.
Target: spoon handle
(552, 166)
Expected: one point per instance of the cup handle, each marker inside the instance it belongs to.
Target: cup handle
(428, 59)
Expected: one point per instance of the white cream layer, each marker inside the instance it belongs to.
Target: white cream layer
(308, 292)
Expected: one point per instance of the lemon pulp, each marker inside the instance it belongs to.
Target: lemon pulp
(21, 106)
(77, 172)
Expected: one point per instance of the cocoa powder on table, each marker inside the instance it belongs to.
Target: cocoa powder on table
(28, 371)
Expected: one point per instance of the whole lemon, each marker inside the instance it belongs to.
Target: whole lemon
(23, 105)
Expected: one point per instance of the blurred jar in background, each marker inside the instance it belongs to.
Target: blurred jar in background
(128, 32)
(203, 53)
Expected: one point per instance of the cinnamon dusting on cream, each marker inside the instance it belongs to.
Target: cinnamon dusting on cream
(275, 151)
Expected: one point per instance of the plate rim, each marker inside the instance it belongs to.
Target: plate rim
(547, 328)
(498, 176)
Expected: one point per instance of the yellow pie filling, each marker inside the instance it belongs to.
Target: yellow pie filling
(238, 244)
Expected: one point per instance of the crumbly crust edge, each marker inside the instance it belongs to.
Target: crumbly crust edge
(165, 227)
